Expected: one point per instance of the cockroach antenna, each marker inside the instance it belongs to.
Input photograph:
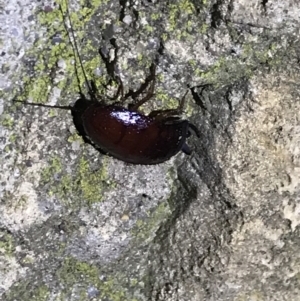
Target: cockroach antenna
(75, 50)
(76, 54)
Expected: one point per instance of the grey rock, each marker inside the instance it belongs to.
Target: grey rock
(221, 224)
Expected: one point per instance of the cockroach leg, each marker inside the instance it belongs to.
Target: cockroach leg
(163, 114)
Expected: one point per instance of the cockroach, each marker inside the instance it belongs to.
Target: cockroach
(125, 133)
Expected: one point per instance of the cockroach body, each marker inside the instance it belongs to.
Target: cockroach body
(126, 133)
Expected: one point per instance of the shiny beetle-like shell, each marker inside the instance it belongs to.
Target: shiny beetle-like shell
(131, 136)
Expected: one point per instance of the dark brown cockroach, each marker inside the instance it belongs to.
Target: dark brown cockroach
(126, 133)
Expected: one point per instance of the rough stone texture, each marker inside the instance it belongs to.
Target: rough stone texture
(221, 224)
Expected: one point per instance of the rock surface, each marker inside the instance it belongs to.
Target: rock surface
(221, 224)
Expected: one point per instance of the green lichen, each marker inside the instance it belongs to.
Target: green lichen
(43, 75)
(74, 138)
(7, 121)
(148, 28)
(41, 293)
(204, 28)
(133, 282)
(7, 245)
(155, 16)
(184, 11)
(140, 57)
(8, 148)
(64, 188)
(52, 112)
(168, 102)
(192, 63)
(93, 183)
(13, 137)
(25, 290)
(82, 186)
(37, 87)
(145, 229)
(49, 173)
(227, 70)
(28, 259)
(176, 10)
(224, 71)
(21, 202)
(55, 166)
(164, 37)
(74, 272)
(37, 90)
